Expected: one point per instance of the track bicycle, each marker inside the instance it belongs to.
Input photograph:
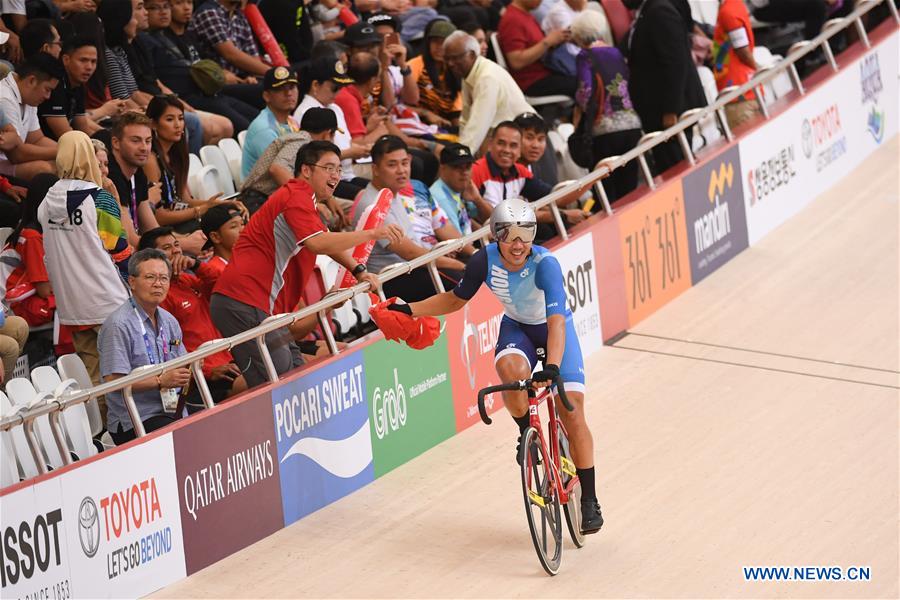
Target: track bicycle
(549, 478)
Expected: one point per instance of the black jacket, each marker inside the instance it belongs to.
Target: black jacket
(663, 76)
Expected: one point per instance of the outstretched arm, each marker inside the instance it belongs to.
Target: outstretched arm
(331, 243)
(440, 304)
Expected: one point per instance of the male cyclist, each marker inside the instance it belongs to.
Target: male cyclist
(537, 325)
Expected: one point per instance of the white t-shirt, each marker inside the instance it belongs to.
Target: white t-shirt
(342, 137)
(23, 117)
(86, 283)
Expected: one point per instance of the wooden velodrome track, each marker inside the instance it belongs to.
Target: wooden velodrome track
(753, 421)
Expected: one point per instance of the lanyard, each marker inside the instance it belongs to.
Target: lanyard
(152, 354)
(133, 206)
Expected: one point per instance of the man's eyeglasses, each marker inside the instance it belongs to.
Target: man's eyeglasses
(158, 7)
(330, 169)
(152, 278)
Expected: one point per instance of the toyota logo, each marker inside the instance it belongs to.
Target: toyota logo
(88, 527)
(806, 136)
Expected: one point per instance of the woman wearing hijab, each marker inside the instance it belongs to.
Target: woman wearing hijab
(83, 242)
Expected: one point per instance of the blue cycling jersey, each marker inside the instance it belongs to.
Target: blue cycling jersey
(528, 295)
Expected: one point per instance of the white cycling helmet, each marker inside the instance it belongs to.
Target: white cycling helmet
(513, 218)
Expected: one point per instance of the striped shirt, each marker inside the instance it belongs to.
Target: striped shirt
(435, 96)
(118, 74)
(496, 184)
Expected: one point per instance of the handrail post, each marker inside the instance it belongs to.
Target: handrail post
(723, 124)
(645, 169)
(604, 199)
(130, 405)
(267, 358)
(861, 29)
(33, 446)
(829, 55)
(557, 218)
(894, 11)
(760, 92)
(326, 331)
(686, 148)
(58, 436)
(436, 278)
(202, 385)
(795, 78)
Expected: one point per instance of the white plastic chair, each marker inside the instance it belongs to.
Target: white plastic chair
(205, 183)
(343, 314)
(4, 235)
(71, 367)
(565, 130)
(25, 397)
(9, 466)
(234, 155)
(194, 163)
(242, 137)
(75, 418)
(534, 101)
(214, 157)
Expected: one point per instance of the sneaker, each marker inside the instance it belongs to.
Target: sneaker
(591, 518)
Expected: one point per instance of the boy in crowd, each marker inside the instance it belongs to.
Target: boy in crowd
(222, 225)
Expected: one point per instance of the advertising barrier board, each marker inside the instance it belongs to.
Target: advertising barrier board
(654, 246)
(410, 400)
(322, 430)
(471, 334)
(803, 152)
(714, 213)
(228, 480)
(123, 523)
(34, 553)
(579, 268)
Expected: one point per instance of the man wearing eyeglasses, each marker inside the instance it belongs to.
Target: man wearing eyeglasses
(141, 333)
(276, 254)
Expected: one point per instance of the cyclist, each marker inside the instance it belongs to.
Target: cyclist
(537, 325)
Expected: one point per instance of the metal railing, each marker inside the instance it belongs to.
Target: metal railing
(572, 188)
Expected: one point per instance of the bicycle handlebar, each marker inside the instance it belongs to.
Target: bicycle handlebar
(518, 386)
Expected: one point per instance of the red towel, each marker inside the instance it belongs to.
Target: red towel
(417, 332)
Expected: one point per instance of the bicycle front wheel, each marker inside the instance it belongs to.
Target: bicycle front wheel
(541, 502)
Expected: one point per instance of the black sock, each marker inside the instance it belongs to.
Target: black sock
(586, 477)
(523, 422)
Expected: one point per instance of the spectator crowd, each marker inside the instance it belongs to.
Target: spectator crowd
(113, 252)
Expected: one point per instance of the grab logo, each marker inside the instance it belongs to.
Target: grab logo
(389, 408)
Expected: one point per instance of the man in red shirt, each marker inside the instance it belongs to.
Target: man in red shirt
(524, 45)
(188, 301)
(276, 254)
(733, 58)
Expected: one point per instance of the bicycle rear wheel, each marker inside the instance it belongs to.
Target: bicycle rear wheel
(572, 508)
(541, 502)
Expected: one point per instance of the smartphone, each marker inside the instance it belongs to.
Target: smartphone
(392, 38)
(231, 196)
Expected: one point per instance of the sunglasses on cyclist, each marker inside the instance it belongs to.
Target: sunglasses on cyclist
(509, 232)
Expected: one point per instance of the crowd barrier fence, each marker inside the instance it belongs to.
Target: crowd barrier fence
(134, 519)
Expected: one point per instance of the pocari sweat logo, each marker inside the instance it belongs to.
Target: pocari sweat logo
(322, 431)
